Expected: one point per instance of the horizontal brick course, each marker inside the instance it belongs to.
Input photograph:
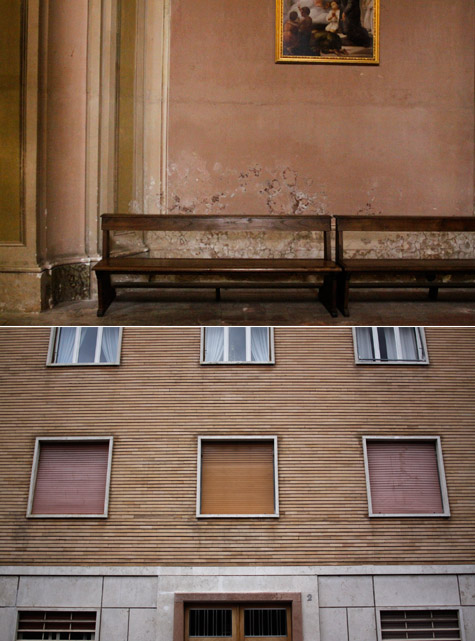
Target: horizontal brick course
(160, 399)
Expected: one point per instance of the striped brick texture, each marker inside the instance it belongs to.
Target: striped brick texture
(160, 399)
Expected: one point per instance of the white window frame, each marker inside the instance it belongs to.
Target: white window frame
(39, 609)
(238, 516)
(421, 348)
(440, 468)
(226, 361)
(420, 608)
(34, 473)
(52, 349)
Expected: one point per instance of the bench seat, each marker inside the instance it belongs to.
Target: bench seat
(123, 265)
(421, 266)
(402, 272)
(226, 272)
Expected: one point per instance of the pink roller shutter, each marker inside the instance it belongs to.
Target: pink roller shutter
(71, 478)
(404, 477)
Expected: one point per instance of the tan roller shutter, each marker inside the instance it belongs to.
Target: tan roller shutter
(404, 477)
(237, 477)
(71, 478)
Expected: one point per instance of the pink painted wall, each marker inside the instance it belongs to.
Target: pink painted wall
(248, 135)
(62, 220)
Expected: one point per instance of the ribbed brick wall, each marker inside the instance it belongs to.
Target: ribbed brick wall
(160, 399)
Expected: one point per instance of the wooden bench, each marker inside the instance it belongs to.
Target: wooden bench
(217, 273)
(404, 272)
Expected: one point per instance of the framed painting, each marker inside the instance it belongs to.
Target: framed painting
(327, 31)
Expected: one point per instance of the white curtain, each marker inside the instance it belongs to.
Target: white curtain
(110, 339)
(259, 344)
(409, 343)
(364, 339)
(65, 345)
(214, 344)
(237, 344)
(387, 343)
(87, 345)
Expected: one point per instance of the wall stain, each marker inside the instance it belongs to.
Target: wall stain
(255, 190)
(409, 245)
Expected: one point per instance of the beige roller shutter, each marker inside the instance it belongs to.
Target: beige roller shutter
(237, 477)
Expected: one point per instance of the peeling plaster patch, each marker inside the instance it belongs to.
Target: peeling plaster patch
(127, 242)
(409, 245)
(193, 189)
(261, 244)
(255, 189)
(135, 207)
(152, 198)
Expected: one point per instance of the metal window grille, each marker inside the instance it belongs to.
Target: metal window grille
(265, 622)
(420, 625)
(56, 626)
(210, 622)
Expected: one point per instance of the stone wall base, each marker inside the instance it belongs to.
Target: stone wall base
(139, 603)
(43, 289)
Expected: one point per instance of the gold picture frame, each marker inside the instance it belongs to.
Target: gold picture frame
(327, 31)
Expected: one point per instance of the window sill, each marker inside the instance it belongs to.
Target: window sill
(237, 516)
(358, 362)
(82, 364)
(66, 516)
(413, 516)
(237, 362)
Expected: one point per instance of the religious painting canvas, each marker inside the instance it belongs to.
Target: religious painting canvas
(327, 31)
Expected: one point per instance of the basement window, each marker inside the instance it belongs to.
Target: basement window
(37, 625)
(405, 476)
(238, 620)
(403, 345)
(85, 346)
(237, 477)
(420, 625)
(237, 345)
(70, 477)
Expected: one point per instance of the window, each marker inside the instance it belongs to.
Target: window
(405, 476)
(85, 346)
(70, 477)
(390, 345)
(238, 617)
(68, 626)
(238, 622)
(237, 477)
(237, 345)
(420, 624)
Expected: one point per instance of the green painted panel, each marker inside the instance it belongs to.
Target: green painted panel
(10, 120)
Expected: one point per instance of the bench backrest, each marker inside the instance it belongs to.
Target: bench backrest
(400, 223)
(151, 222)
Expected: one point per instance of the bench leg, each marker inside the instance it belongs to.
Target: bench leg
(105, 292)
(433, 292)
(343, 293)
(218, 293)
(327, 294)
